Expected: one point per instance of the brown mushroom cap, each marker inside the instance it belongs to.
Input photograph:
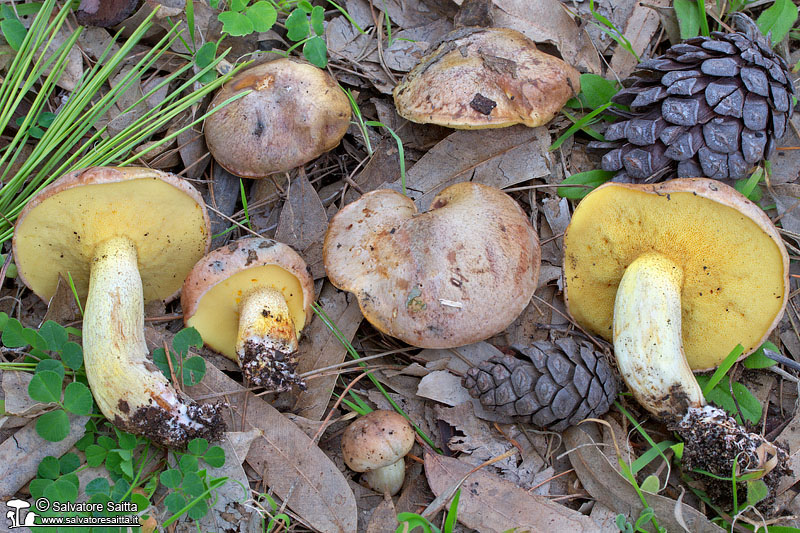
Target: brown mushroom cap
(457, 274)
(735, 266)
(218, 282)
(295, 113)
(60, 227)
(377, 439)
(486, 78)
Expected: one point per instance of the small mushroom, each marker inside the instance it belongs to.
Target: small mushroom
(486, 78)
(125, 236)
(676, 274)
(294, 113)
(457, 274)
(376, 444)
(250, 300)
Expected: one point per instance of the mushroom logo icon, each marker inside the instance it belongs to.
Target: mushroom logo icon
(14, 514)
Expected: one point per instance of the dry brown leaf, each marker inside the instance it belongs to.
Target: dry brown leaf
(407, 13)
(548, 21)
(228, 512)
(606, 485)
(641, 26)
(490, 504)
(414, 136)
(483, 442)
(290, 463)
(786, 163)
(384, 517)
(557, 215)
(444, 387)
(346, 42)
(62, 307)
(194, 153)
(222, 194)
(499, 157)
(73, 70)
(787, 201)
(15, 389)
(460, 359)
(21, 453)
(320, 348)
(791, 437)
(408, 46)
(303, 223)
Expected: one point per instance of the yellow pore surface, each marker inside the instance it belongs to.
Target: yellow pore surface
(217, 315)
(61, 233)
(733, 273)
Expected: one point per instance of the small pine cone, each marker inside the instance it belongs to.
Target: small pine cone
(710, 106)
(564, 383)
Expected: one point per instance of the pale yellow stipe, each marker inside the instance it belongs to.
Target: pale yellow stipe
(647, 337)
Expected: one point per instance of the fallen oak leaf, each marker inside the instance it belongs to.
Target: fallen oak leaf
(490, 504)
(606, 485)
(289, 461)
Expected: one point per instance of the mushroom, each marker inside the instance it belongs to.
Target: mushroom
(376, 444)
(486, 78)
(250, 300)
(125, 236)
(457, 274)
(676, 274)
(294, 113)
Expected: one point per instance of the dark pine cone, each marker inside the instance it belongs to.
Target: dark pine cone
(564, 383)
(709, 107)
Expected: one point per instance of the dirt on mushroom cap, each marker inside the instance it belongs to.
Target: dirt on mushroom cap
(59, 228)
(457, 274)
(486, 78)
(735, 265)
(295, 113)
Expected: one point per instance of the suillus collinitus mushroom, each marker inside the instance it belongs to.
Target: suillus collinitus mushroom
(677, 274)
(250, 300)
(376, 444)
(294, 113)
(456, 274)
(125, 236)
(486, 78)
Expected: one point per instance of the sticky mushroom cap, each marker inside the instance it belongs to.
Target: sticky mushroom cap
(735, 266)
(218, 282)
(486, 78)
(59, 228)
(295, 113)
(456, 274)
(377, 439)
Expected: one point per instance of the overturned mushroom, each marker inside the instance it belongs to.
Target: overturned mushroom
(250, 300)
(457, 274)
(677, 274)
(376, 444)
(125, 236)
(486, 78)
(294, 113)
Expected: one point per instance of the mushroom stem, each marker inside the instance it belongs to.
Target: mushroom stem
(649, 350)
(648, 338)
(387, 479)
(128, 388)
(267, 341)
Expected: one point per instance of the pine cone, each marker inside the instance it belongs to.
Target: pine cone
(564, 383)
(710, 106)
